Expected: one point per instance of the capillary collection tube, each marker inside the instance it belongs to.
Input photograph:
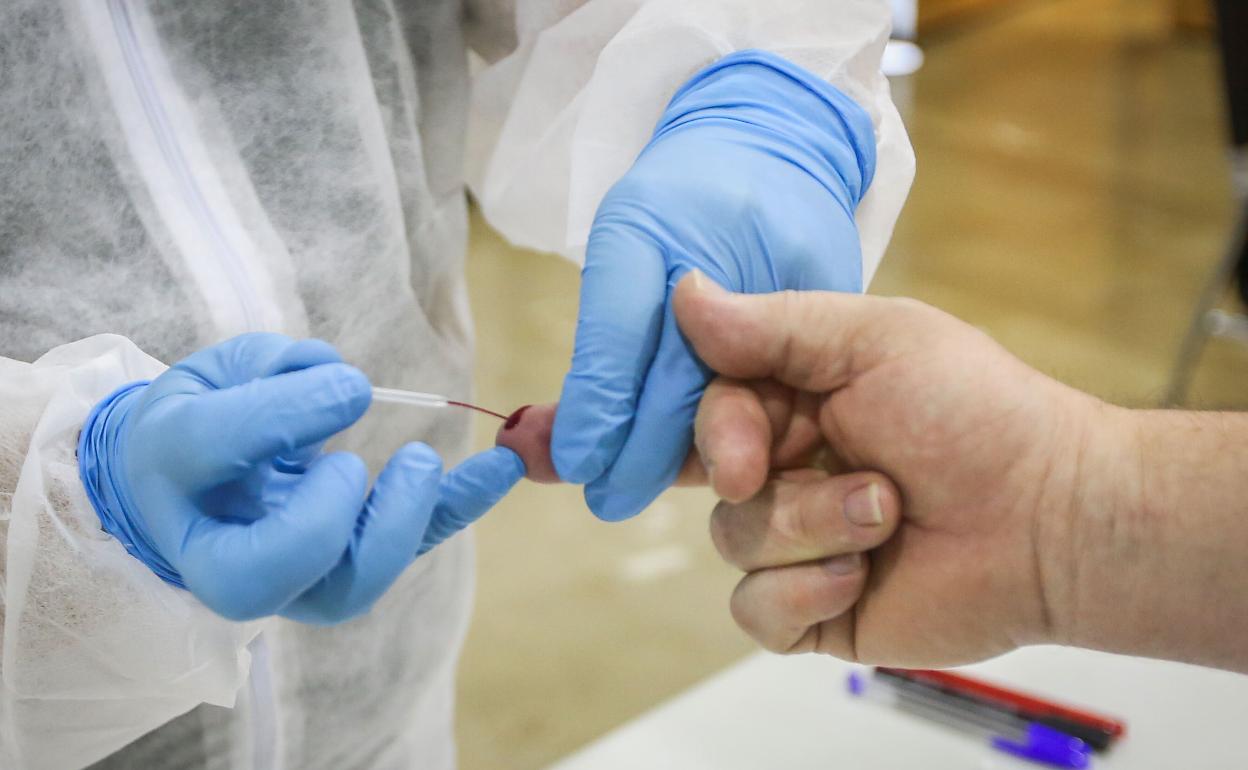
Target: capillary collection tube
(427, 400)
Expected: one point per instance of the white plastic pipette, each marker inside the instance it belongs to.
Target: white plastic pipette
(410, 397)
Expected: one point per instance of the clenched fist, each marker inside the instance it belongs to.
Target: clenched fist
(897, 487)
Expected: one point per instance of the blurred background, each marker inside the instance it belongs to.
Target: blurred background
(1074, 198)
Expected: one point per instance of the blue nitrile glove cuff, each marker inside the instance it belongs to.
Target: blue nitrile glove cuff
(99, 444)
(792, 113)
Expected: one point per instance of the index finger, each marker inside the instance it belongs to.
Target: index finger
(623, 291)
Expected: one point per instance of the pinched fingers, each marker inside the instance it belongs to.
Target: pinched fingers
(803, 542)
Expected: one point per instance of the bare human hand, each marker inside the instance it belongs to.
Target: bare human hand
(987, 454)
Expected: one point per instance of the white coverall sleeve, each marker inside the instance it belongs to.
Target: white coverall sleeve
(555, 122)
(97, 650)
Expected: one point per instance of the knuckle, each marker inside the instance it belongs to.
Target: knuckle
(805, 527)
(344, 466)
(775, 645)
(909, 305)
(812, 516)
(796, 314)
(799, 245)
(742, 607)
(725, 533)
(230, 606)
(787, 521)
(419, 457)
(916, 311)
(738, 606)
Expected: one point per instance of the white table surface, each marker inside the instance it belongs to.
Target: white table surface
(778, 713)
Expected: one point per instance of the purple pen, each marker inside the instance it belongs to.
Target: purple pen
(1006, 733)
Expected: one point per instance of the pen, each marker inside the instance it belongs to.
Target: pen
(1097, 730)
(1004, 732)
(1025, 701)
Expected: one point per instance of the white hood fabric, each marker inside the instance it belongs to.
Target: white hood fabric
(172, 174)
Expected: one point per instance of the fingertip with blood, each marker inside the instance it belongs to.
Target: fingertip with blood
(527, 432)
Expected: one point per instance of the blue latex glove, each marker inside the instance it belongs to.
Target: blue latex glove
(213, 476)
(752, 176)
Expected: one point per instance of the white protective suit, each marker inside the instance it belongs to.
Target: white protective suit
(175, 173)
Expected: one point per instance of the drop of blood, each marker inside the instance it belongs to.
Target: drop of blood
(527, 433)
(515, 417)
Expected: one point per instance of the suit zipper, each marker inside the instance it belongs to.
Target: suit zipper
(176, 165)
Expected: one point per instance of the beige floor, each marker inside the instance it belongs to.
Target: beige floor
(1071, 194)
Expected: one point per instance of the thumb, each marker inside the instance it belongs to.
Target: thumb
(219, 435)
(811, 340)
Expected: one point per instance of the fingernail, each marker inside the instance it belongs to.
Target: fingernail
(862, 506)
(845, 564)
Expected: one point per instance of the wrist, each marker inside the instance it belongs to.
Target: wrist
(101, 446)
(1153, 554)
(1099, 482)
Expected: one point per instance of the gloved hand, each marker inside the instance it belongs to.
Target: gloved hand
(213, 476)
(752, 176)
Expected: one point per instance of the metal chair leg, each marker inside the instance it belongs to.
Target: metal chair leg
(1203, 323)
